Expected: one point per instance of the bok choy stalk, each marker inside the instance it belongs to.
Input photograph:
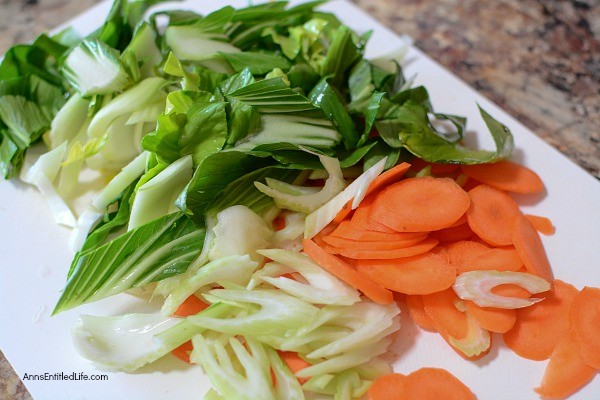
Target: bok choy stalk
(320, 288)
(93, 67)
(476, 341)
(477, 286)
(156, 198)
(243, 370)
(130, 341)
(235, 269)
(293, 198)
(43, 173)
(272, 314)
(240, 231)
(356, 191)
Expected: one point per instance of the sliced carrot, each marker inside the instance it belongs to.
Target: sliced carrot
(541, 224)
(539, 327)
(447, 319)
(491, 215)
(492, 319)
(453, 233)
(585, 317)
(324, 232)
(469, 255)
(358, 254)
(361, 217)
(183, 352)
(388, 177)
(509, 290)
(506, 175)
(423, 274)
(417, 312)
(530, 248)
(294, 362)
(350, 230)
(566, 371)
(279, 223)
(388, 387)
(434, 384)
(347, 273)
(461, 221)
(191, 306)
(420, 204)
(370, 245)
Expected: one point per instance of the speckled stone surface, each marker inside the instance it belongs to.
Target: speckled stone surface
(537, 59)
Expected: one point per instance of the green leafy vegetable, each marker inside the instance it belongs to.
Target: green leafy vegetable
(154, 251)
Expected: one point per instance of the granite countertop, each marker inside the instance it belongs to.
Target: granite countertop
(537, 59)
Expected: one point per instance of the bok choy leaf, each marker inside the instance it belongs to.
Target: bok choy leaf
(149, 253)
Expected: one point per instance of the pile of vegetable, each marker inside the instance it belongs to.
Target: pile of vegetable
(282, 194)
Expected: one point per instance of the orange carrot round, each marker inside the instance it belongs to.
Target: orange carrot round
(469, 255)
(347, 273)
(530, 248)
(361, 254)
(434, 384)
(388, 387)
(566, 371)
(447, 319)
(491, 215)
(506, 175)
(420, 204)
(585, 317)
(541, 224)
(539, 327)
(416, 309)
(393, 174)
(498, 320)
(371, 245)
(350, 230)
(453, 233)
(423, 274)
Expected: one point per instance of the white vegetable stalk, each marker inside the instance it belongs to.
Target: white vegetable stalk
(290, 237)
(190, 43)
(101, 201)
(235, 269)
(155, 198)
(297, 198)
(42, 174)
(239, 231)
(94, 68)
(128, 342)
(140, 96)
(321, 286)
(321, 217)
(477, 286)
(475, 342)
(68, 121)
